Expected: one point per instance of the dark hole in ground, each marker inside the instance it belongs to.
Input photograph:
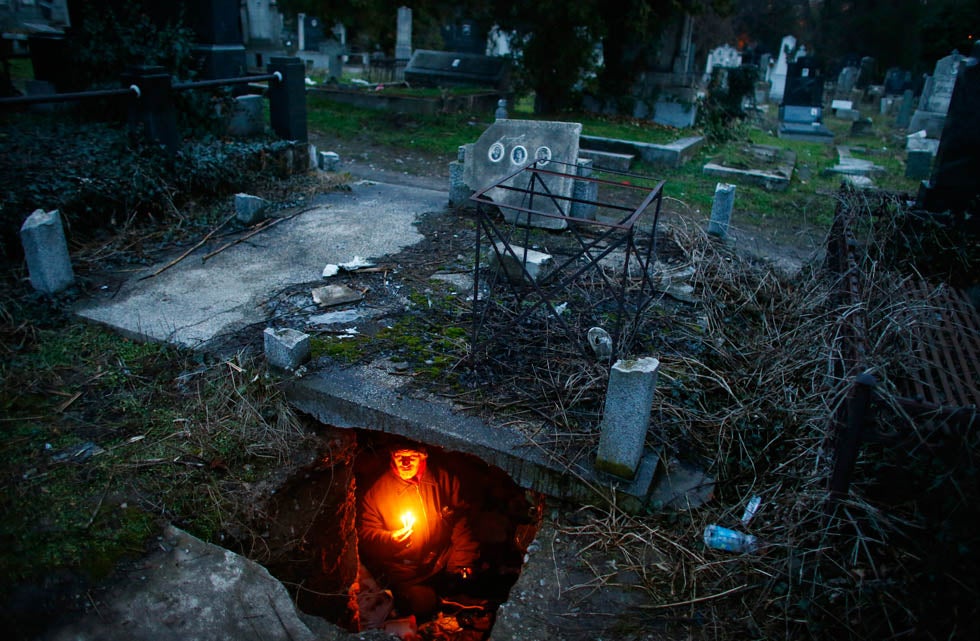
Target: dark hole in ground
(311, 543)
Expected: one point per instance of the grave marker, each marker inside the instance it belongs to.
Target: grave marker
(46, 252)
(505, 148)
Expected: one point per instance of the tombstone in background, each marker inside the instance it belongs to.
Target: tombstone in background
(465, 37)
(451, 68)
(866, 76)
(954, 185)
(936, 96)
(311, 33)
(801, 111)
(220, 49)
(897, 81)
(778, 75)
(334, 50)
(725, 57)
(403, 35)
(508, 145)
(846, 80)
(904, 117)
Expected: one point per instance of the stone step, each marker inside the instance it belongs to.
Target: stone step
(607, 159)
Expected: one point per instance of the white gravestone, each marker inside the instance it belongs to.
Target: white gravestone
(778, 76)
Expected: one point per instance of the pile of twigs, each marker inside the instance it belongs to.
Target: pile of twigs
(750, 383)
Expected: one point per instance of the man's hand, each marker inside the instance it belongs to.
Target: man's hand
(402, 535)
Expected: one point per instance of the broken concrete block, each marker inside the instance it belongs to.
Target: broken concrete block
(537, 264)
(330, 295)
(328, 160)
(46, 251)
(286, 348)
(250, 209)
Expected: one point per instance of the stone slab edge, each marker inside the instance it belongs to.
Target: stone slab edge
(354, 397)
(674, 154)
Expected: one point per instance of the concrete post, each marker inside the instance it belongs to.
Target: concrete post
(46, 251)
(403, 34)
(151, 113)
(626, 416)
(287, 99)
(721, 210)
(301, 31)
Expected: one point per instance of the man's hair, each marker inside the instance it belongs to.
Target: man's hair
(402, 443)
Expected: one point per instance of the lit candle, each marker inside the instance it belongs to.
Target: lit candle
(408, 520)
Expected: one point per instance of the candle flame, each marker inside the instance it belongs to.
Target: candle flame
(408, 520)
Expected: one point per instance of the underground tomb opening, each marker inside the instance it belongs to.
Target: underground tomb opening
(313, 520)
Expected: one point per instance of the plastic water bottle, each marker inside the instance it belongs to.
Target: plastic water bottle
(722, 538)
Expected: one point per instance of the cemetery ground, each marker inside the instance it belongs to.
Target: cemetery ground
(106, 439)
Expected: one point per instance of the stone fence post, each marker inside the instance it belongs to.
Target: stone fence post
(287, 99)
(626, 417)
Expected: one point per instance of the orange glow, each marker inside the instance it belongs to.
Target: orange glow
(408, 520)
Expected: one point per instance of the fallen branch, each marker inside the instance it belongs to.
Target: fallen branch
(261, 228)
(189, 251)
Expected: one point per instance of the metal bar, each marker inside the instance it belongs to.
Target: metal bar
(66, 97)
(221, 82)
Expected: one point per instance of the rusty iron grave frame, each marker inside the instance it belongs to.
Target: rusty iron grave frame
(617, 226)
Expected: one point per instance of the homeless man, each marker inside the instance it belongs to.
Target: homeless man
(413, 532)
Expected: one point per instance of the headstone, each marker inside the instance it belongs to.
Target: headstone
(919, 155)
(219, 48)
(334, 51)
(286, 348)
(846, 80)
(509, 145)
(804, 86)
(626, 416)
(778, 76)
(725, 56)
(721, 210)
(465, 37)
(450, 68)
(311, 32)
(403, 36)
(954, 185)
(46, 252)
(897, 81)
(247, 116)
(866, 76)
(585, 192)
(501, 112)
(936, 95)
(904, 117)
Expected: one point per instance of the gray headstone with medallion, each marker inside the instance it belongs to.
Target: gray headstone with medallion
(506, 147)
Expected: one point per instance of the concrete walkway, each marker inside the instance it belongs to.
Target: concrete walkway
(194, 302)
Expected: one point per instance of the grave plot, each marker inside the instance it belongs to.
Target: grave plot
(766, 166)
(598, 273)
(309, 539)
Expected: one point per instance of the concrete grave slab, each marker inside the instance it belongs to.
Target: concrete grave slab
(773, 171)
(506, 147)
(195, 301)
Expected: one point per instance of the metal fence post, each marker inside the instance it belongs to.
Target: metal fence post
(151, 109)
(287, 99)
(849, 442)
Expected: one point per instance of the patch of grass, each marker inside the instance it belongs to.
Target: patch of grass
(104, 439)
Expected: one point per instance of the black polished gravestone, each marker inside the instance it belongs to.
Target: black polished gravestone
(455, 69)
(804, 86)
(954, 185)
(801, 111)
(220, 49)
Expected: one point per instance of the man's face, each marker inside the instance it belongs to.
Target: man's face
(407, 463)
